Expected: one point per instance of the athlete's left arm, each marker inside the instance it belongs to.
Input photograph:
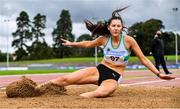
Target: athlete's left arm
(144, 60)
(85, 44)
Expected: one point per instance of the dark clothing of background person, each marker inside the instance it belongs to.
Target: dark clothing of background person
(158, 46)
(158, 53)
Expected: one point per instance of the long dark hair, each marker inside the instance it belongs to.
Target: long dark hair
(101, 28)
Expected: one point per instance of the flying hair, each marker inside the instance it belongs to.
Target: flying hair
(116, 12)
(101, 28)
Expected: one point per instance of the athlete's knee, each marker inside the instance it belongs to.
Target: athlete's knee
(62, 80)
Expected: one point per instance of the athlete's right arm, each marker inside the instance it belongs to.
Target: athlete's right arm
(86, 44)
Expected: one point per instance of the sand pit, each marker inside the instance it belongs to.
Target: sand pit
(51, 89)
(22, 88)
(27, 88)
(123, 97)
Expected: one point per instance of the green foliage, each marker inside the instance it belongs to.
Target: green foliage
(37, 48)
(2, 56)
(40, 50)
(22, 35)
(144, 32)
(28, 31)
(63, 30)
(84, 52)
(84, 37)
(38, 26)
(169, 40)
(21, 54)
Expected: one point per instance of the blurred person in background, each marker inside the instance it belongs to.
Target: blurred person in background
(158, 52)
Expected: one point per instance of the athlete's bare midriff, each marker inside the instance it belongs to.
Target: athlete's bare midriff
(118, 68)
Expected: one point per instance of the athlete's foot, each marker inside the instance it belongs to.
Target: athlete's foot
(41, 87)
(49, 86)
(87, 95)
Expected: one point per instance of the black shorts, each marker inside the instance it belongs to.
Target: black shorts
(106, 73)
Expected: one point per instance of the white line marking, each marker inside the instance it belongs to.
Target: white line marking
(146, 82)
(49, 74)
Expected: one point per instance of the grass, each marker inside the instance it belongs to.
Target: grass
(59, 61)
(133, 59)
(20, 72)
(55, 61)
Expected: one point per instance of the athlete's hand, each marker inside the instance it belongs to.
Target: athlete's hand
(166, 77)
(66, 42)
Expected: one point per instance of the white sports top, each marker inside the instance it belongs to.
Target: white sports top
(119, 55)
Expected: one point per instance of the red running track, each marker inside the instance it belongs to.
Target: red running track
(130, 78)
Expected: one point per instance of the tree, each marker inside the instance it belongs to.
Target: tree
(169, 42)
(39, 48)
(38, 26)
(22, 35)
(144, 32)
(2, 57)
(87, 51)
(41, 51)
(63, 30)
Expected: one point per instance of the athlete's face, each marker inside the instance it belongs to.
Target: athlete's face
(115, 27)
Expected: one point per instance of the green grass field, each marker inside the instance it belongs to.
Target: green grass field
(56, 61)
(20, 72)
(80, 60)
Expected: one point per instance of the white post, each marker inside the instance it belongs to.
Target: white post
(7, 54)
(176, 42)
(176, 38)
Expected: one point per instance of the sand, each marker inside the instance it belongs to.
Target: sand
(26, 87)
(123, 97)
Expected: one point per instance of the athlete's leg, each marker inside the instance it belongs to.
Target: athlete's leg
(106, 88)
(157, 62)
(163, 63)
(83, 76)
